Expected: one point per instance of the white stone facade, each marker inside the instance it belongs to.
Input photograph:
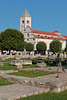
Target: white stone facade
(34, 36)
(25, 20)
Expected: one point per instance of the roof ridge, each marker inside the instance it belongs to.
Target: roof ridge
(44, 32)
(41, 31)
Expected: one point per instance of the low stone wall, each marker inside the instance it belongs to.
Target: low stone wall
(50, 81)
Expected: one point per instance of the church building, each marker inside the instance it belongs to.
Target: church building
(35, 36)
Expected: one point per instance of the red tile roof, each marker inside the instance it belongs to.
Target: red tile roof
(43, 32)
(60, 39)
(64, 36)
(56, 31)
(43, 37)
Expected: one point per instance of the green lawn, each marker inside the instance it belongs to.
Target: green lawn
(30, 73)
(35, 59)
(48, 96)
(6, 66)
(29, 66)
(63, 59)
(8, 60)
(24, 58)
(47, 59)
(63, 64)
(4, 82)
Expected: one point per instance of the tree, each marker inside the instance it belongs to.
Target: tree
(12, 39)
(29, 47)
(55, 46)
(41, 47)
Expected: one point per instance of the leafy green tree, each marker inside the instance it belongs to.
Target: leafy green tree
(29, 47)
(41, 47)
(12, 39)
(25, 44)
(55, 46)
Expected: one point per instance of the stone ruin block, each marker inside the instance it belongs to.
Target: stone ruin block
(27, 62)
(21, 62)
(41, 65)
(17, 57)
(16, 62)
(19, 66)
(2, 58)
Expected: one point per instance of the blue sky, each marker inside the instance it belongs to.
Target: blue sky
(47, 15)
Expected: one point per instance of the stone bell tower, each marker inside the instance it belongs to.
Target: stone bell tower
(25, 20)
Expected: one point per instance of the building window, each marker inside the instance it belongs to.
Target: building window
(59, 36)
(27, 35)
(27, 39)
(39, 35)
(27, 21)
(22, 21)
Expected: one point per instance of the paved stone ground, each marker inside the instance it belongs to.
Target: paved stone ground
(46, 69)
(17, 91)
(28, 86)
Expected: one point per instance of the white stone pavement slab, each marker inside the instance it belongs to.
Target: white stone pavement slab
(17, 91)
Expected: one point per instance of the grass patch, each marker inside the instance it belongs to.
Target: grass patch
(4, 82)
(63, 63)
(48, 96)
(6, 66)
(29, 66)
(47, 59)
(49, 65)
(8, 60)
(63, 59)
(35, 59)
(30, 73)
